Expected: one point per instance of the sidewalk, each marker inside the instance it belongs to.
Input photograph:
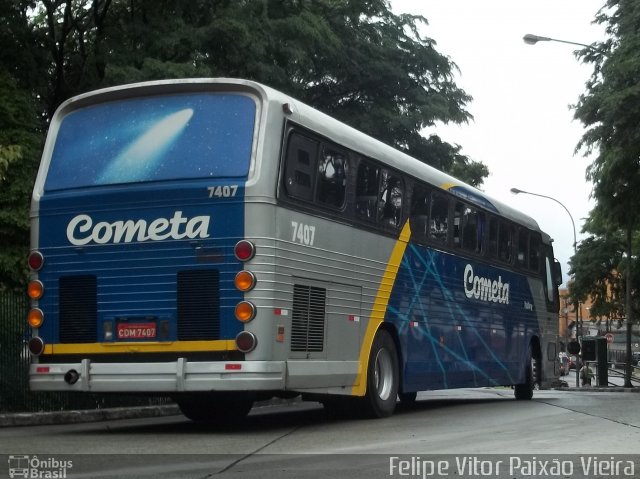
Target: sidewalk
(616, 384)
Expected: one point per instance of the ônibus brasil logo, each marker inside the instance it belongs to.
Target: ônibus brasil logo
(81, 230)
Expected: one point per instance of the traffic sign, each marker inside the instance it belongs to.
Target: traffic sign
(609, 337)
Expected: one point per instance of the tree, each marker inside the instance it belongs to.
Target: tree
(598, 267)
(354, 60)
(20, 143)
(610, 109)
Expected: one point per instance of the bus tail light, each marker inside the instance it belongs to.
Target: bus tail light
(246, 341)
(36, 346)
(244, 250)
(35, 318)
(35, 289)
(35, 260)
(245, 281)
(245, 311)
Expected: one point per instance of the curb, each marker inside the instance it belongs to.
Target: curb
(108, 414)
(599, 389)
(90, 415)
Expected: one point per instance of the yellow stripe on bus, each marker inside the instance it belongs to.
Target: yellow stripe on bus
(448, 186)
(379, 308)
(140, 347)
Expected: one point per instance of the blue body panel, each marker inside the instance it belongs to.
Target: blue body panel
(130, 202)
(452, 337)
(137, 279)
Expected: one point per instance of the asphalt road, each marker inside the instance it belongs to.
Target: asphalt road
(300, 440)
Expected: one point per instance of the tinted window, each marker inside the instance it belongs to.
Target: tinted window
(332, 178)
(469, 225)
(492, 245)
(549, 279)
(154, 139)
(419, 214)
(535, 253)
(523, 248)
(390, 199)
(300, 167)
(439, 219)
(367, 190)
(505, 241)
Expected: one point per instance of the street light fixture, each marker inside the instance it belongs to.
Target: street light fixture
(531, 39)
(517, 191)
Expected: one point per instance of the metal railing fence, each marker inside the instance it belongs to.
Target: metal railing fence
(15, 395)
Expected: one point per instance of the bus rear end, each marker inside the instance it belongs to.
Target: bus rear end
(138, 239)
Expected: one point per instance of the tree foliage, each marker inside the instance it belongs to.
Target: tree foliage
(597, 268)
(19, 147)
(355, 60)
(610, 110)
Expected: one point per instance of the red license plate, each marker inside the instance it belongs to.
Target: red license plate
(136, 330)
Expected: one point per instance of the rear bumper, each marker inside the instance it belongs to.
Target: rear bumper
(162, 377)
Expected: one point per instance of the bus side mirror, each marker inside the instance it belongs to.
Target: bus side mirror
(557, 272)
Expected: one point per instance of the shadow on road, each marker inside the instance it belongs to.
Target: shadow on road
(274, 418)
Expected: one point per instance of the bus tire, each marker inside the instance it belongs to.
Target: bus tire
(382, 377)
(215, 410)
(524, 391)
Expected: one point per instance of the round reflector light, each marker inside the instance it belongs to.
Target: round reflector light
(246, 341)
(244, 250)
(36, 346)
(35, 289)
(245, 280)
(35, 318)
(245, 311)
(35, 260)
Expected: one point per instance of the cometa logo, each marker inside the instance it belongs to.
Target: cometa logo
(81, 229)
(485, 289)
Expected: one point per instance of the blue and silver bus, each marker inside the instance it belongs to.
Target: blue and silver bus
(219, 242)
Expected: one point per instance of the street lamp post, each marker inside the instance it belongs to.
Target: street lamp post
(531, 39)
(517, 191)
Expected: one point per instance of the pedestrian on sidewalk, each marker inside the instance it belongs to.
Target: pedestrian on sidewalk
(586, 374)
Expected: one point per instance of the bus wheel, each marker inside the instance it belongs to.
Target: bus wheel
(211, 409)
(525, 391)
(382, 377)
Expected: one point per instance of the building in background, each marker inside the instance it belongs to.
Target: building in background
(614, 330)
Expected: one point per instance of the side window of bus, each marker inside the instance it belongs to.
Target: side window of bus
(523, 248)
(535, 252)
(390, 199)
(419, 213)
(505, 241)
(332, 178)
(468, 228)
(492, 243)
(367, 190)
(439, 218)
(549, 280)
(300, 167)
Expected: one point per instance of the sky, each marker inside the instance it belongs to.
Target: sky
(523, 129)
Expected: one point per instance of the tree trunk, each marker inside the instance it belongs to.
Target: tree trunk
(629, 368)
